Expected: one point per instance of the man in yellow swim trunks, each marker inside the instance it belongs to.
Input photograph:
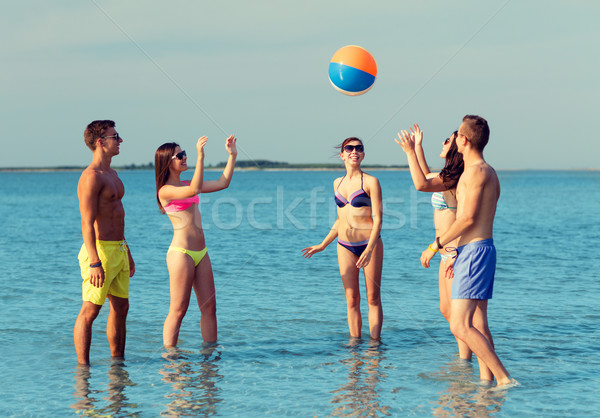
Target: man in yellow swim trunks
(105, 259)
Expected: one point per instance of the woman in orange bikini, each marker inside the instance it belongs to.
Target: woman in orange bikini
(187, 260)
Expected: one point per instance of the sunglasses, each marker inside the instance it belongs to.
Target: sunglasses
(115, 136)
(179, 155)
(350, 148)
(447, 141)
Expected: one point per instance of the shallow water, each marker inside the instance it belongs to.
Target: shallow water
(283, 344)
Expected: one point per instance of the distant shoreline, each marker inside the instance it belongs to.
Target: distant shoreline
(289, 168)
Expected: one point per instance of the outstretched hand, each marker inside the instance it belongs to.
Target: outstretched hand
(200, 145)
(407, 141)
(230, 145)
(417, 133)
(308, 252)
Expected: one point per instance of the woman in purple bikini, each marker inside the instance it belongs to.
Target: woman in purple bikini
(357, 229)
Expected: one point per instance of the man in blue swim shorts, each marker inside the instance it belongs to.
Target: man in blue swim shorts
(473, 269)
(105, 259)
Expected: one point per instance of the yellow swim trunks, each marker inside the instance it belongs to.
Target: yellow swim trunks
(115, 263)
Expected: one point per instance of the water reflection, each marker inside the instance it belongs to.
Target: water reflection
(194, 380)
(463, 397)
(359, 395)
(90, 402)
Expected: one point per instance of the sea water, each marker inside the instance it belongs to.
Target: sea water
(284, 347)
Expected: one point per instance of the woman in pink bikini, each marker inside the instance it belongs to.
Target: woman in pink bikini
(357, 229)
(187, 260)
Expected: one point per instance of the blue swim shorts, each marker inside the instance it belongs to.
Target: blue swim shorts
(474, 270)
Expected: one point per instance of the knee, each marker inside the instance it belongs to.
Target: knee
(353, 299)
(374, 299)
(458, 329)
(88, 314)
(445, 310)
(209, 307)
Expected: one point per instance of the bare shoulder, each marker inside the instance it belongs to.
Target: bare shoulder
(91, 178)
(479, 173)
(370, 182)
(337, 182)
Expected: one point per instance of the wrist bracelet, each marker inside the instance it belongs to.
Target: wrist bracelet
(98, 264)
(437, 242)
(435, 251)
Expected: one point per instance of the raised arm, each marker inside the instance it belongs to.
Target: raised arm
(225, 179)
(418, 134)
(170, 192)
(88, 191)
(422, 182)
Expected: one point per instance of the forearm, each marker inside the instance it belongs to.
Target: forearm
(89, 240)
(421, 160)
(227, 175)
(418, 178)
(456, 230)
(375, 233)
(198, 178)
(333, 233)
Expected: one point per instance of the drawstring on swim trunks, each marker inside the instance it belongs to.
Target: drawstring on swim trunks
(124, 245)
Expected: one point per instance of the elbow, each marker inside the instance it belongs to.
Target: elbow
(422, 187)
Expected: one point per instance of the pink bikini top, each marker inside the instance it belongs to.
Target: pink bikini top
(177, 205)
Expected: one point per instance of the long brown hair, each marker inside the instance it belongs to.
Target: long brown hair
(162, 161)
(454, 166)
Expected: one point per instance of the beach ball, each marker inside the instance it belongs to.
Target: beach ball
(352, 70)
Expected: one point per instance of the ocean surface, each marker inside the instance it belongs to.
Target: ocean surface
(284, 347)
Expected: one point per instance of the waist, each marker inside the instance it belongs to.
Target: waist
(489, 242)
(107, 243)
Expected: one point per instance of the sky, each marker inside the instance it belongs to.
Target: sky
(178, 70)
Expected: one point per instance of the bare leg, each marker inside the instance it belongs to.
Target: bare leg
(461, 324)
(445, 286)
(82, 332)
(181, 277)
(480, 322)
(116, 326)
(373, 285)
(204, 286)
(349, 273)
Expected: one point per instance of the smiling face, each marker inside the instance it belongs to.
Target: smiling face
(179, 164)
(111, 141)
(353, 152)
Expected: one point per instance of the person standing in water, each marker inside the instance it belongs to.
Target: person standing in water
(105, 260)
(187, 258)
(443, 200)
(477, 193)
(357, 229)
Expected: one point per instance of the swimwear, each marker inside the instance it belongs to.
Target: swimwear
(358, 199)
(115, 262)
(438, 202)
(356, 248)
(474, 270)
(178, 205)
(448, 255)
(197, 256)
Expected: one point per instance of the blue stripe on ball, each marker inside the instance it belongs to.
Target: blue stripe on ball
(349, 79)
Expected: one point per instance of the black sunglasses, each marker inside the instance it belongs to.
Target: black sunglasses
(446, 141)
(179, 155)
(350, 148)
(115, 136)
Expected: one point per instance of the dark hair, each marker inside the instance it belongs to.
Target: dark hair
(162, 161)
(340, 147)
(95, 130)
(477, 131)
(454, 166)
